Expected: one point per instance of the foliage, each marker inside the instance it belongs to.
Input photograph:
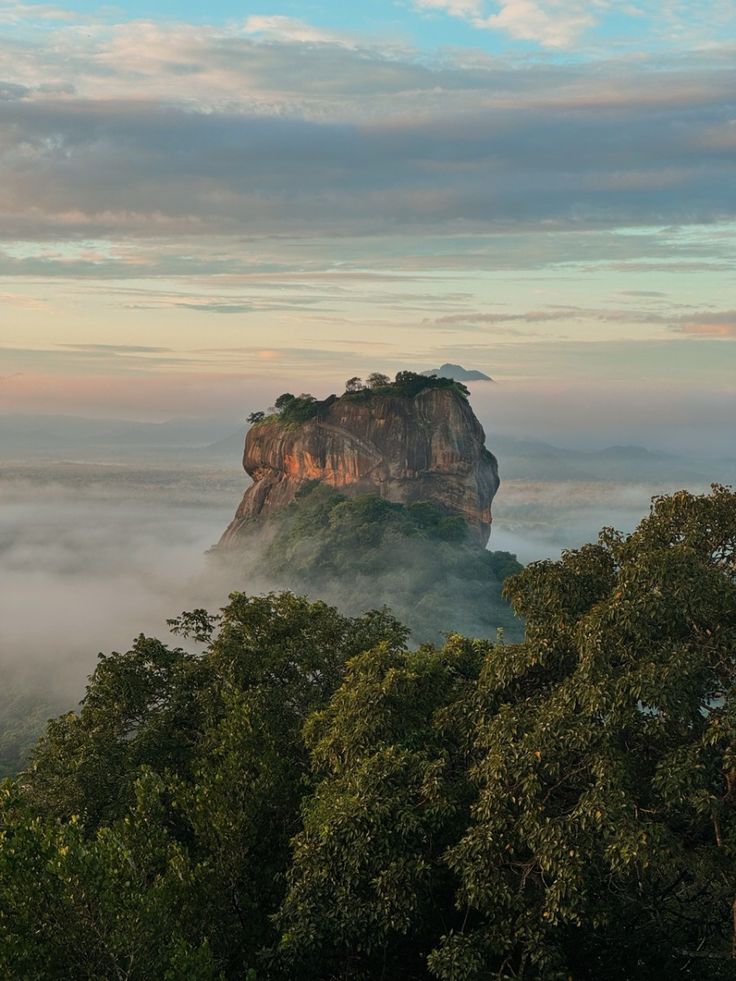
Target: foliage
(416, 558)
(409, 383)
(283, 400)
(307, 798)
(377, 380)
(369, 890)
(603, 839)
(164, 809)
(406, 384)
(118, 903)
(291, 409)
(300, 409)
(294, 410)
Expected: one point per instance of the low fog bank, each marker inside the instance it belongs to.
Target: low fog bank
(89, 560)
(90, 556)
(537, 520)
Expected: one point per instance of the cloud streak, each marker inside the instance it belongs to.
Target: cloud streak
(719, 324)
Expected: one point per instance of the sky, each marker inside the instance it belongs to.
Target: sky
(204, 205)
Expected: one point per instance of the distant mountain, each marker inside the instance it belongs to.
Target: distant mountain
(526, 459)
(64, 437)
(457, 373)
(630, 453)
(226, 450)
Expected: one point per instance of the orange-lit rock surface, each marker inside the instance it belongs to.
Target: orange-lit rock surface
(427, 448)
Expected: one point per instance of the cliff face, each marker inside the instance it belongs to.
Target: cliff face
(426, 448)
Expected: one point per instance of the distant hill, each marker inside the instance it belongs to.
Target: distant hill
(457, 373)
(226, 450)
(526, 459)
(30, 437)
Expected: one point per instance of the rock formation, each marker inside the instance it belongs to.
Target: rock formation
(429, 447)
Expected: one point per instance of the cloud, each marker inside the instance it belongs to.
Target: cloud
(23, 301)
(118, 348)
(145, 129)
(718, 325)
(457, 8)
(552, 24)
(96, 168)
(701, 323)
(706, 324)
(16, 13)
(91, 556)
(219, 307)
(562, 24)
(9, 91)
(279, 28)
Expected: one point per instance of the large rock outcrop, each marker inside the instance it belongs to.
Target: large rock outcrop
(429, 447)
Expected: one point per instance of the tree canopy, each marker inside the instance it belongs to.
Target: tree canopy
(308, 797)
(295, 409)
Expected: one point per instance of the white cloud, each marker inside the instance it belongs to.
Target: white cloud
(553, 24)
(279, 28)
(562, 24)
(16, 13)
(457, 8)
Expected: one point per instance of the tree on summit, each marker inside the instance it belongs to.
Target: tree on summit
(283, 400)
(377, 380)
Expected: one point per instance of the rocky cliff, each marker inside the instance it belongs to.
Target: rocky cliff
(429, 447)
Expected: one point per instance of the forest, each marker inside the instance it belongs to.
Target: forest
(298, 793)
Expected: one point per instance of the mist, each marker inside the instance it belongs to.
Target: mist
(536, 520)
(84, 569)
(90, 556)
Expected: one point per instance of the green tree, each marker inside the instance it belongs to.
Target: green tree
(255, 417)
(354, 385)
(370, 892)
(603, 839)
(415, 558)
(300, 409)
(120, 903)
(377, 380)
(283, 400)
(143, 707)
(276, 660)
(165, 807)
(569, 810)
